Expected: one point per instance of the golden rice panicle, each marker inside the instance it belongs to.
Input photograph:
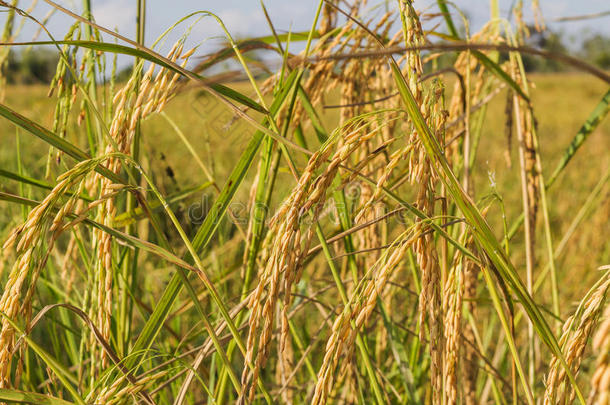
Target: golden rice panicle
(129, 109)
(470, 365)
(322, 78)
(329, 19)
(430, 305)
(600, 382)
(283, 267)
(358, 311)
(453, 299)
(538, 17)
(283, 259)
(29, 245)
(458, 103)
(56, 229)
(413, 35)
(378, 76)
(369, 237)
(9, 305)
(576, 332)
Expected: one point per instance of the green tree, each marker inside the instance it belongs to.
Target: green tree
(38, 66)
(596, 50)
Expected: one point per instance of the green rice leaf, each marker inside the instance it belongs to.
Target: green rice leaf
(23, 397)
(54, 140)
(138, 53)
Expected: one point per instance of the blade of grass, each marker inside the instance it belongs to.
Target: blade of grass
(200, 271)
(63, 375)
(54, 140)
(501, 74)
(144, 53)
(212, 220)
(313, 116)
(130, 217)
(23, 397)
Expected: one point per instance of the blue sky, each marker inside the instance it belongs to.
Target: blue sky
(245, 17)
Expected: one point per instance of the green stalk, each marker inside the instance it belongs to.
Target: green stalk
(130, 264)
(15, 396)
(545, 209)
(529, 239)
(91, 84)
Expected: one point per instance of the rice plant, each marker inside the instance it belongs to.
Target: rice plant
(342, 239)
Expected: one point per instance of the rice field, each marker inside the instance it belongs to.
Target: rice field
(396, 213)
